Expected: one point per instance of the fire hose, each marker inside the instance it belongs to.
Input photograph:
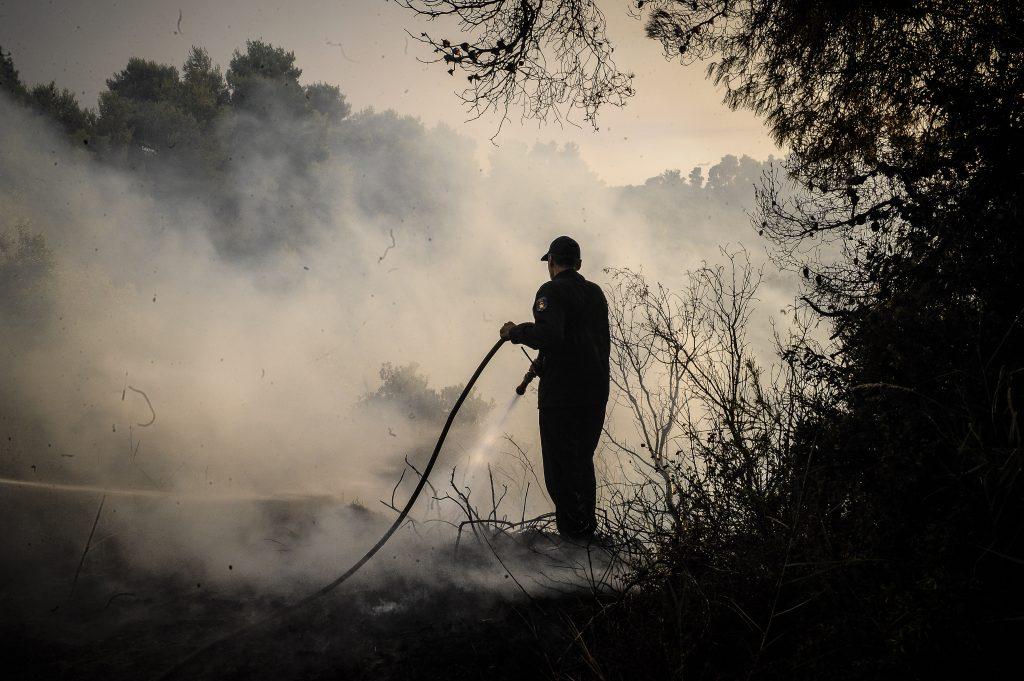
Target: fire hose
(277, 614)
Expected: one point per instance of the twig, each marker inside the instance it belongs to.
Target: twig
(284, 547)
(433, 490)
(116, 595)
(148, 404)
(385, 253)
(342, 50)
(88, 541)
(394, 490)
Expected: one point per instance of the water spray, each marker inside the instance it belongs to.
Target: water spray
(478, 454)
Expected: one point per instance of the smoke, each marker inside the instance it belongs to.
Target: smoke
(151, 343)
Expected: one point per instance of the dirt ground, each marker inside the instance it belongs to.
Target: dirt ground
(364, 634)
(122, 622)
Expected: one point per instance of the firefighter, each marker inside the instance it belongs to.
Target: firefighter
(570, 331)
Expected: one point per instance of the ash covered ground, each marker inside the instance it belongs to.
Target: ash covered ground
(418, 611)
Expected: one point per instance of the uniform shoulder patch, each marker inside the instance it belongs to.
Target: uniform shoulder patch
(541, 304)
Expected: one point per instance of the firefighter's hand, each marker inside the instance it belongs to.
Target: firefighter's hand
(506, 329)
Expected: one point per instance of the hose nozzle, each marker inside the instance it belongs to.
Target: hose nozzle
(527, 379)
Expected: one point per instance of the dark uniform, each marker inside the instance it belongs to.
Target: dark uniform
(570, 329)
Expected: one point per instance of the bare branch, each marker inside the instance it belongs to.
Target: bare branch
(545, 59)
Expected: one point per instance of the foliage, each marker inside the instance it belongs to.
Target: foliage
(406, 390)
(203, 90)
(265, 81)
(62, 106)
(145, 81)
(188, 130)
(900, 205)
(10, 81)
(327, 100)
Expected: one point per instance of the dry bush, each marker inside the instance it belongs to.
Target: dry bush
(713, 429)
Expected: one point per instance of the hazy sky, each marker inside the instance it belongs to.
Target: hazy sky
(676, 119)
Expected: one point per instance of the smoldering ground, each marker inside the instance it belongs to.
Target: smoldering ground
(230, 367)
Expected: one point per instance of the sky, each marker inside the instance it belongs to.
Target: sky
(675, 120)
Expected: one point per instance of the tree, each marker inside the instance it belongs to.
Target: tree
(144, 80)
(264, 80)
(327, 100)
(203, 89)
(162, 126)
(10, 82)
(696, 177)
(141, 105)
(63, 107)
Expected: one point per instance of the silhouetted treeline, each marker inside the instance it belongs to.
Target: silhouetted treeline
(673, 204)
(250, 143)
(269, 157)
(886, 539)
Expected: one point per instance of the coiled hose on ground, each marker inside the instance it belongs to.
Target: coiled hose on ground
(180, 666)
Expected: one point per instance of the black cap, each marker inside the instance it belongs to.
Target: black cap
(563, 247)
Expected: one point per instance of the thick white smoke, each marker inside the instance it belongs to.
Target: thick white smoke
(147, 356)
